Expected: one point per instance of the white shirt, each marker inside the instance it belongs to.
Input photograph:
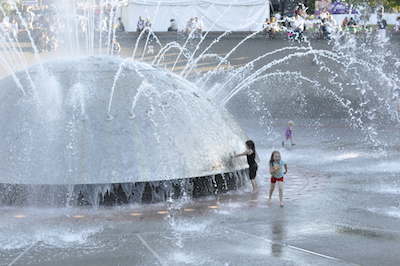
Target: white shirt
(140, 24)
(4, 25)
(298, 23)
(199, 24)
(323, 15)
(174, 25)
(13, 28)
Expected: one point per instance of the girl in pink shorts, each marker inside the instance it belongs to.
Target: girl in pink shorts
(276, 165)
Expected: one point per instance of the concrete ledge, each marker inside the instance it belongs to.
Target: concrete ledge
(240, 34)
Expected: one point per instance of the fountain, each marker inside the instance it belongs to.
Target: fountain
(91, 128)
(116, 129)
(99, 129)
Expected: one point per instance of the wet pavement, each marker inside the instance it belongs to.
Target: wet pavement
(300, 183)
(342, 207)
(160, 234)
(335, 213)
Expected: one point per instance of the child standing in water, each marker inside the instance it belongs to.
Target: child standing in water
(288, 134)
(251, 155)
(275, 168)
(116, 48)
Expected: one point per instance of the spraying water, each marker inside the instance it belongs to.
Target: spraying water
(90, 127)
(351, 94)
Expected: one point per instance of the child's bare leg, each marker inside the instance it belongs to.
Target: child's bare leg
(271, 190)
(254, 184)
(280, 187)
(283, 142)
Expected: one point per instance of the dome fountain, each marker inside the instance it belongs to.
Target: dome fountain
(105, 130)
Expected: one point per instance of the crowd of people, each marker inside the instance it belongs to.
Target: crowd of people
(296, 25)
(144, 25)
(194, 27)
(323, 22)
(47, 27)
(41, 23)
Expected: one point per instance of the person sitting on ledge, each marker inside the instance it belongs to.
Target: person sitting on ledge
(190, 26)
(120, 26)
(140, 25)
(173, 26)
(199, 25)
(352, 25)
(274, 27)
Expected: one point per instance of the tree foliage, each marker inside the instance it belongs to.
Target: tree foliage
(6, 7)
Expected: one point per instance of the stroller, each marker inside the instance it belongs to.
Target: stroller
(295, 35)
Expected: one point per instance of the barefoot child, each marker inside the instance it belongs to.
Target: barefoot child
(288, 134)
(275, 168)
(251, 155)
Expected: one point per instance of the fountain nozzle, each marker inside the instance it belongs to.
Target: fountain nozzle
(109, 118)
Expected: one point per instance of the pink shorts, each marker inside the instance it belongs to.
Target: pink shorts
(274, 179)
(288, 137)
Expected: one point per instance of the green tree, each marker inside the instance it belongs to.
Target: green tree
(6, 7)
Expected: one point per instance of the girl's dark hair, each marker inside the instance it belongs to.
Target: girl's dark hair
(272, 156)
(251, 145)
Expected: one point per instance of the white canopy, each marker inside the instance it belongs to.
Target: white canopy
(217, 15)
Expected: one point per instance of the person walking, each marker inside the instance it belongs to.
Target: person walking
(13, 29)
(29, 16)
(382, 24)
(275, 168)
(288, 134)
(252, 156)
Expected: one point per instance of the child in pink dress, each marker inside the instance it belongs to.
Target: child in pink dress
(288, 134)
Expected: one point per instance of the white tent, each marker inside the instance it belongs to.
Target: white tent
(217, 15)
